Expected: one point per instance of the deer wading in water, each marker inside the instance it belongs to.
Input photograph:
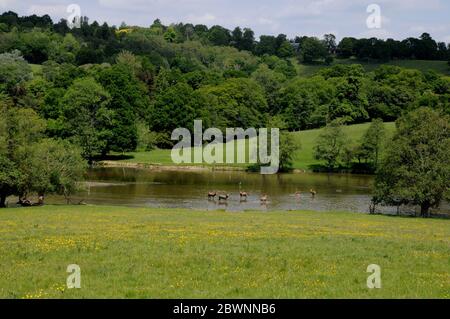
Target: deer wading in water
(263, 198)
(243, 195)
(212, 195)
(224, 197)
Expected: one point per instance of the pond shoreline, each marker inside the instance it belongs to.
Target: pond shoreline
(181, 168)
(162, 167)
(219, 168)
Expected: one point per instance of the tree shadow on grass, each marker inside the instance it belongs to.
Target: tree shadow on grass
(113, 157)
(354, 168)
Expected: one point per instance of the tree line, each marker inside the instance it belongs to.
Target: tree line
(103, 41)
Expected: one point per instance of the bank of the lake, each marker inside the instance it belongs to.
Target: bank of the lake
(175, 253)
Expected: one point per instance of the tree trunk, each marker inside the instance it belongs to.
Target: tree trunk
(2, 201)
(425, 209)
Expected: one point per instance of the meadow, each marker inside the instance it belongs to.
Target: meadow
(303, 159)
(440, 67)
(155, 253)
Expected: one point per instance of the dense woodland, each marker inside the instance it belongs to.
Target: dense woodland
(110, 88)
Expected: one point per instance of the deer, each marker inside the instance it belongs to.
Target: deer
(264, 198)
(212, 195)
(223, 197)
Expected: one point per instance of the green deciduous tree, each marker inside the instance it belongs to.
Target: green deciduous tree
(52, 167)
(301, 100)
(86, 116)
(372, 141)
(14, 72)
(29, 163)
(416, 167)
(313, 49)
(330, 144)
(240, 103)
(129, 101)
(271, 82)
(173, 107)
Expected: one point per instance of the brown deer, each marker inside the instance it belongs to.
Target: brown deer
(24, 202)
(224, 197)
(243, 195)
(212, 195)
(40, 201)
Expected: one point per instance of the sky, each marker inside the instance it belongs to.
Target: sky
(399, 18)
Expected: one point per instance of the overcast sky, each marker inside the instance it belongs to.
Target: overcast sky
(400, 18)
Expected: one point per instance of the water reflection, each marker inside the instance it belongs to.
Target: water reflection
(189, 189)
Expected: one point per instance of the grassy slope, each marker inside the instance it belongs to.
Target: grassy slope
(149, 253)
(438, 66)
(307, 139)
(304, 157)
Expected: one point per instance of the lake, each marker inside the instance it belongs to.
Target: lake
(189, 189)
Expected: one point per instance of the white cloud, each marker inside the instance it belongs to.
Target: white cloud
(271, 24)
(52, 10)
(6, 3)
(206, 18)
(377, 33)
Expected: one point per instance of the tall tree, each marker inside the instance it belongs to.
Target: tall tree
(248, 40)
(330, 42)
(219, 35)
(313, 49)
(29, 163)
(86, 116)
(129, 99)
(14, 72)
(416, 168)
(330, 144)
(372, 141)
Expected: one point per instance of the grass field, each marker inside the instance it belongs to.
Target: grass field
(441, 67)
(304, 158)
(150, 253)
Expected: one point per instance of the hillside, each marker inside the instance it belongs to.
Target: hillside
(109, 90)
(440, 67)
(303, 160)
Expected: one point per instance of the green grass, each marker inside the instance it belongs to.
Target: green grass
(304, 158)
(441, 67)
(152, 253)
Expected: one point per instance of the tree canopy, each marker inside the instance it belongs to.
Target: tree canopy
(416, 168)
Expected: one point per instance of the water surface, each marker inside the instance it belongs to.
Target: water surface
(189, 189)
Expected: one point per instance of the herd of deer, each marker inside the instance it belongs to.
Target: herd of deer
(243, 196)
